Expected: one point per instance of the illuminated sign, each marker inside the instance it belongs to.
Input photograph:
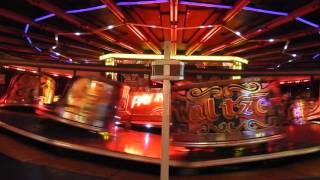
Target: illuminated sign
(146, 99)
(144, 106)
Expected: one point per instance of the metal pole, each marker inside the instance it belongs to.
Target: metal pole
(165, 131)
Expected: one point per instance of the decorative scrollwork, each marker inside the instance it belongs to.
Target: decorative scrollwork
(252, 125)
(198, 93)
(246, 88)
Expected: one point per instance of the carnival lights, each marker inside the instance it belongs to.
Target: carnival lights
(177, 57)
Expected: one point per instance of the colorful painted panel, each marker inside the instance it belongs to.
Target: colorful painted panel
(225, 112)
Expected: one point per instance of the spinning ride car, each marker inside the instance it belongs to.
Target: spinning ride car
(29, 89)
(89, 103)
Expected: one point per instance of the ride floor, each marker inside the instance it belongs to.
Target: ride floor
(145, 146)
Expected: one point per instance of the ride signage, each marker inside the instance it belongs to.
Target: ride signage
(226, 112)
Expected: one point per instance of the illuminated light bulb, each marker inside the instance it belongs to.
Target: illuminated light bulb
(153, 26)
(294, 55)
(278, 65)
(148, 125)
(54, 47)
(69, 76)
(20, 69)
(202, 27)
(56, 53)
(210, 26)
(55, 75)
(56, 38)
(34, 71)
(290, 60)
(238, 33)
(70, 60)
(110, 27)
(93, 84)
(271, 40)
(117, 123)
(77, 33)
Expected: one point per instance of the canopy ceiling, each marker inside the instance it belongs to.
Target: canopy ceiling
(257, 30)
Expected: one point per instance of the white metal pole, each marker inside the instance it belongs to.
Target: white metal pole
(165, 131)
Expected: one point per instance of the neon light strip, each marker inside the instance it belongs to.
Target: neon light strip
(307, 22)
(86, 9)
(26, 28)
(29, 40)
(177, 57)
(38, 49)
(265, 11)
(44, 17)
(247, 8)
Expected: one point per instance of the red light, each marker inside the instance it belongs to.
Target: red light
(146, 99)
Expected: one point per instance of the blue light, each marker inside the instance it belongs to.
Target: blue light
(86, 9)
(29, 40)
(307, 22)
(43, 17)
(265, 11)
(38, 49)
(26, 28)
(316, 57)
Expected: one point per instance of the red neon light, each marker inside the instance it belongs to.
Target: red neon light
(146, 99)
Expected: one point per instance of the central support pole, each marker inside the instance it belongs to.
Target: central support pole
(166, 115)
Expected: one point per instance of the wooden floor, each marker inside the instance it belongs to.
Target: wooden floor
(22, 158)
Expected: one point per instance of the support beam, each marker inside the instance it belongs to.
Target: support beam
(49, 28)
(174, 13)
(123, 17)
(279, 51)
(12, 41)
(49, 40)
(88, 27)
(20, 49)
(311, 7)
(226, 72)
(227, 17)
(136, 17)
(280, 39)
